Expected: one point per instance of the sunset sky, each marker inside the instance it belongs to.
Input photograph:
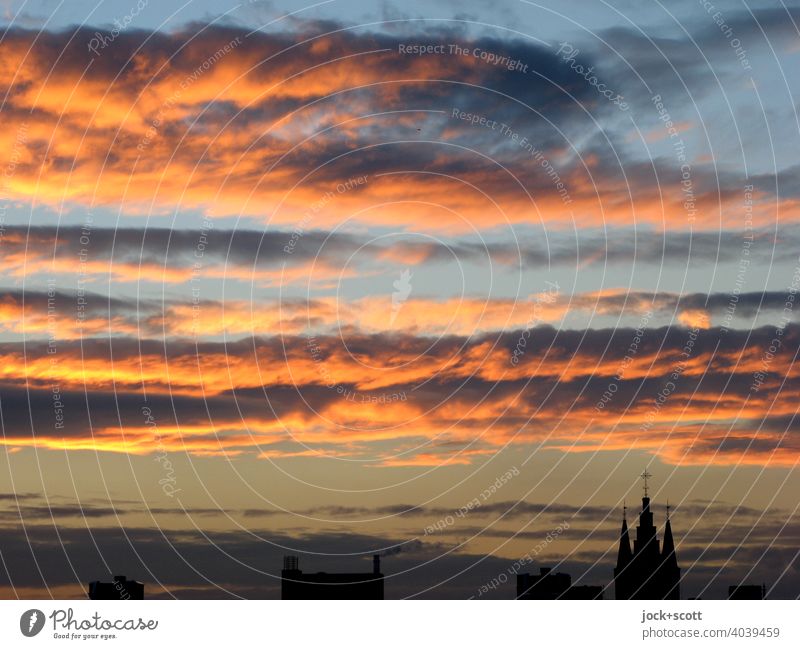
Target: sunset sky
(281, 279)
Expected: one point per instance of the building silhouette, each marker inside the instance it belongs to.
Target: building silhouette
(322, 585)
(118, 588)
(553, 585)
(646, 571)
(747, 591)
(584, 592)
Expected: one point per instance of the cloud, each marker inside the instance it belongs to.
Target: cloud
(121, 129)
(434, 401)
(61, 316)
(246, 563)
(260, 257)
(267, 124)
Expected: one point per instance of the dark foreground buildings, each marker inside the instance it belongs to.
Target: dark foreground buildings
(646, 571)
(118, 588)
(747, 591)
(553, 585)
(323, 585)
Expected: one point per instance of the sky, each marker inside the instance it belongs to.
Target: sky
(435, 280)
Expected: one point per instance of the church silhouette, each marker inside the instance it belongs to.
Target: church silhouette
(646, 571)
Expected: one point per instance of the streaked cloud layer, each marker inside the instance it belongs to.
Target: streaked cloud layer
(726, 401)
(267, 124)
(310, 281)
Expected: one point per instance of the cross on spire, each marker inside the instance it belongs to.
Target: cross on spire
(645, 476)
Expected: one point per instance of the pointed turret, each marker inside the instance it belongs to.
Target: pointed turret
(624, 559)
(670, 572)
(624, 553)
(668, 547)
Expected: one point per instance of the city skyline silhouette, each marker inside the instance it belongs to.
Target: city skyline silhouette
(646, 569)
(288, 286)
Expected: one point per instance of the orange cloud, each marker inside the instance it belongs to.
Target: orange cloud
(400, 392)
(264, 125)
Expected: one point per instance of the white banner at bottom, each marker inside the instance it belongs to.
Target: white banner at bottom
(401, 624)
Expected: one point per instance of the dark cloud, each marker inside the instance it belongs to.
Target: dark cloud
(242, 252)
(215, 564)
(269, 414)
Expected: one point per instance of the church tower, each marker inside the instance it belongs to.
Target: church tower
(647, 571)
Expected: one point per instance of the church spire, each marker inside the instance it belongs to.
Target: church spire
(670, 572)
(668, 546)
(624, 555)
